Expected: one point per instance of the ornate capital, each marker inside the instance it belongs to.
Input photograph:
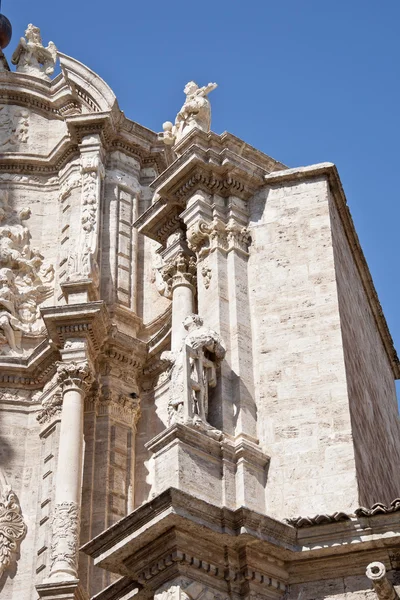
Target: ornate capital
(74, 376)
(204, 238)
(64, 546)
(12, 527)
(179, 270)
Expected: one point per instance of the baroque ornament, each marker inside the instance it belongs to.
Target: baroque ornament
(65, 526)
(177, 271)
(14, 127)
(195, 113)
(25, 279)
(74, 375)
(83, 262)
(12, 525)
(32, 58)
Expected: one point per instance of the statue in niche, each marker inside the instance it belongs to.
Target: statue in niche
(195, 113)
(24, 279)
(194, 371)
(32, 58)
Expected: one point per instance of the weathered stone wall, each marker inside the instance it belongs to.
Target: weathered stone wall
(370, 380)
(301, 392)
(20, 451)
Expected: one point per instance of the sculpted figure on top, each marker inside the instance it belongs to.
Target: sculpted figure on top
(32, 57)
(195, 112)
(194, 370)
(24, 279)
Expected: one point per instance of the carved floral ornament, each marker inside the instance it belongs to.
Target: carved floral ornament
(204, 238)
(74, 376)
(12, 525)
(65, 526)
(180, 270)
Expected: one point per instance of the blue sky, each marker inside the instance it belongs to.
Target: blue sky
(304, 81)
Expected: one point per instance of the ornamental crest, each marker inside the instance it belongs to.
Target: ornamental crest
(12, 525)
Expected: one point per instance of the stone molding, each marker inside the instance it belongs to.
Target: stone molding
(12, 526)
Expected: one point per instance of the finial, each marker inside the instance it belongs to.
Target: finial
(5, 31)
(5, 38)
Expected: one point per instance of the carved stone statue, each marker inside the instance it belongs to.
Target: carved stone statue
(195, 112)
(193, 372)
(24, 279)
(32, 57)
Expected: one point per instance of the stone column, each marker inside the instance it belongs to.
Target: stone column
(179, 274)
(74, 378)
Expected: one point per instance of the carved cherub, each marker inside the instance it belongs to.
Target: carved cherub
(32, 57)
(195, 112)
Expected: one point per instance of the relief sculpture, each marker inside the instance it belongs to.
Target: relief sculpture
(24, 279)
(12, 525)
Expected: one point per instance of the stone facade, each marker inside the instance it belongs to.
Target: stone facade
(197, 393)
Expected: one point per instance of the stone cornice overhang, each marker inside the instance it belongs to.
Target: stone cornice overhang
(329, 171)
(30, 372)
(361, 538)
(221, 165)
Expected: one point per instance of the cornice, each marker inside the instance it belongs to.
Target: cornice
(221, 165)
(339, 544)
(329, 171)
(30, 372)
(89, 320)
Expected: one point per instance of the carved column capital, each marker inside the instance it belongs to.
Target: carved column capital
(74, 376)
(179, 270)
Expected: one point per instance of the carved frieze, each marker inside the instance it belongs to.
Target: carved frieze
(12, 525)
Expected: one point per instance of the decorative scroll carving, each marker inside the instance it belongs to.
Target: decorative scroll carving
(204, 238)
(24, 279)
(195, 113)
(14, 127)
(65, 527)
(193, 372)
(178, 271)
(74, 375)
(51, 408)
(12, 525)
(32, 58)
